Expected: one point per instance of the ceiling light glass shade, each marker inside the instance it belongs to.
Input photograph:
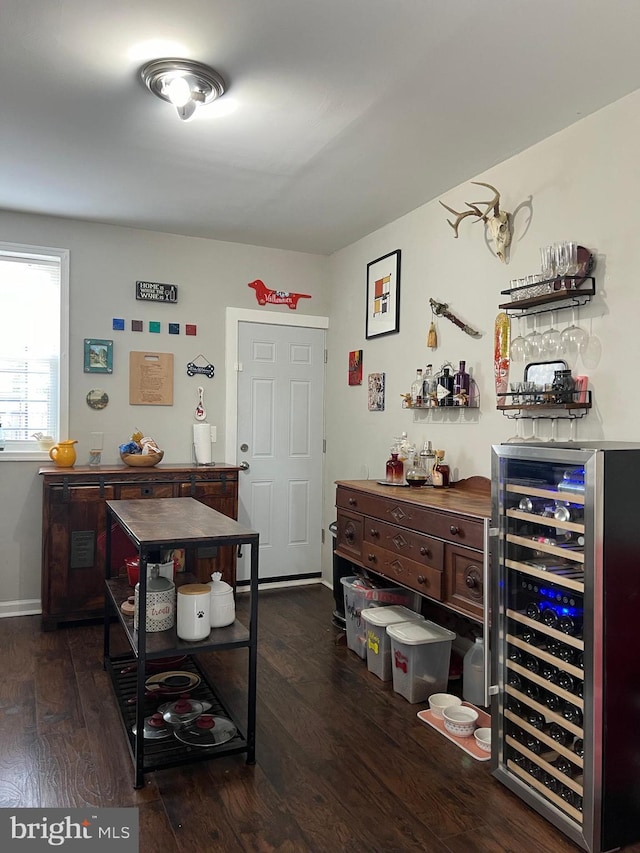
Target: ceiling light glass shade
(182, 82)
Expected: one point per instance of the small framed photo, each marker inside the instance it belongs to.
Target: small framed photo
(375, 392)
(98, 356)
(383, 295)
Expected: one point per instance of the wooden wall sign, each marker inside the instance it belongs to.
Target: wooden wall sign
(151, 379)
(154, 291)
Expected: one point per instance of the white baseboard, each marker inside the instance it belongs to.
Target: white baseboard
(27, 607)
(283, 584)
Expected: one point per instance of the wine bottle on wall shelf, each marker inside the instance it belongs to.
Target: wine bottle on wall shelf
(461, 384)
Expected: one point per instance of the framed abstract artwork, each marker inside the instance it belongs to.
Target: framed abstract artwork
(355, 367)
(383, 295)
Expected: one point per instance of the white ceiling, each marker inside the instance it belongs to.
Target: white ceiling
(346, 113)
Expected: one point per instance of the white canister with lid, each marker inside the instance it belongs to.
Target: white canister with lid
(160, 603)
(223, 606)
(193, 612)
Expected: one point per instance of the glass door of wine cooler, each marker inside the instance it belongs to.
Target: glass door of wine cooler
(541, 613)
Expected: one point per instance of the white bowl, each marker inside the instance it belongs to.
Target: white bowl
(439, 701)
(460, 720)
(483, 739)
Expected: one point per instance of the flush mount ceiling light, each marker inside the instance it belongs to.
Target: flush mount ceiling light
(183, 83)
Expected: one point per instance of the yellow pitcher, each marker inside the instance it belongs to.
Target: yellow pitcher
(64, 453)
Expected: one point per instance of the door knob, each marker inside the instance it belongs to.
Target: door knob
(244, 466)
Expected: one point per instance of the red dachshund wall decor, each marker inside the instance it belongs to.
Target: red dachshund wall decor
(265, 295)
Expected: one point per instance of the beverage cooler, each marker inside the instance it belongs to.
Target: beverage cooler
(565, 602)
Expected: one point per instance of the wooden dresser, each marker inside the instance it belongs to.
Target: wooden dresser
(430, 540)
(74, 519)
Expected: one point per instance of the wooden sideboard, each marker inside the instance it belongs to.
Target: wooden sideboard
(74, 519)
(430, 540)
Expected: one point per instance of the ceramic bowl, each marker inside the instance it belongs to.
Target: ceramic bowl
(141, 460)
(439, 701)
(483, 739)
(460, 720)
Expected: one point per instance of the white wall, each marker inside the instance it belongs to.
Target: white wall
(581, 184)
(105, 263)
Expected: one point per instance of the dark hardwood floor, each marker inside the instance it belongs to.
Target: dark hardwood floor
(343, 763)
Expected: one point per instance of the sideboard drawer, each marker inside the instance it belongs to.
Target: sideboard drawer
(405, 543)
(349, 535)
(423, 579)
(464, 580)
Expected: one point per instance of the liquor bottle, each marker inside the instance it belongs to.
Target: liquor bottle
(416, 389)
(440, 476)
(461, 383)
(428, 387)
(445, 388)
(394, 468)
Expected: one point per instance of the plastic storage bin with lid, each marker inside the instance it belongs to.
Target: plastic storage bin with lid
(378, 642)
(360, 594)
(420, 654)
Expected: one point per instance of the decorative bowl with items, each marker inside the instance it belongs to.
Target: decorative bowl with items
(141, 452)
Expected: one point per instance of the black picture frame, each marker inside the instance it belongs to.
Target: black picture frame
(383, 295)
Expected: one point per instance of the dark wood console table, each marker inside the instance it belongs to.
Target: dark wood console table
(434, 541)
(174, 523)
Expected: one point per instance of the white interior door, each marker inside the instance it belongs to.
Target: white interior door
(280, 423)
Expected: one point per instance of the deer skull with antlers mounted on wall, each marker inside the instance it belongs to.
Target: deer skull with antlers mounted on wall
(498, 221)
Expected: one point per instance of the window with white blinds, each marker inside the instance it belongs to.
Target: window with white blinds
(33, 344)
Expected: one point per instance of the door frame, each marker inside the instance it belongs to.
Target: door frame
(233, 318)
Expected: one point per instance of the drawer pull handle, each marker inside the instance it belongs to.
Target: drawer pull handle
(352, 502)
(471, 582)
(375, 533)
(453, 530)
(421, 579)
(425, 552)
(349, 535)
(371, 558)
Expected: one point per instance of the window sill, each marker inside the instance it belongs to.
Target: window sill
(24, 456)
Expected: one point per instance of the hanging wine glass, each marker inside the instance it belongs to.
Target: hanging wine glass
(534, 341)
(551, 341)
(534, 432)
(517, 437)
(519, 350)
(573, 430)
(554, 431)
(574, 339)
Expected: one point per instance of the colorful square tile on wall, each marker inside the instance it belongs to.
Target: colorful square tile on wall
(136, 325)
(190, 329)
(174, 328)
(154, 326)
(118, 324)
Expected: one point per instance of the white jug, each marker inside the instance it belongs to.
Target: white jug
(223, 606)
